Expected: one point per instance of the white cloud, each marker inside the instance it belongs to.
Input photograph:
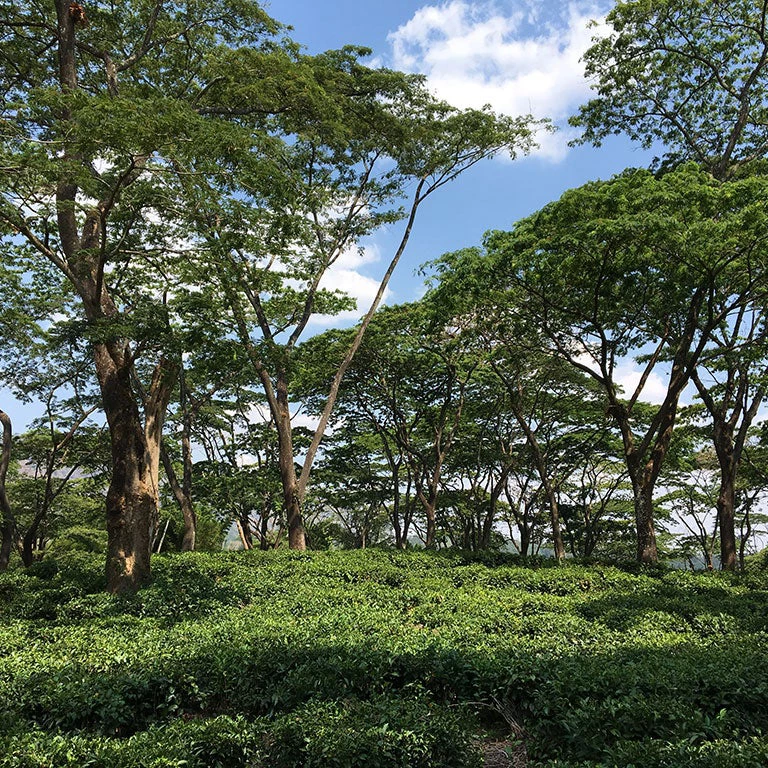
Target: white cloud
(628, 375)
(516, 56)
(346, 275)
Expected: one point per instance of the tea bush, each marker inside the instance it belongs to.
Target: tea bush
(380, 658)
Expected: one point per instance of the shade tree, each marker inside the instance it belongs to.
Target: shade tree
(93, 103)
(394, 147)
(731, 382)
(637, 267)
(690, 75)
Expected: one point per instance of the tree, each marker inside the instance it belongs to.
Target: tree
(751, 491)
(386, 141)
(238, 481)
(409, 383)
(593, 499)
(7, 518)
(352, 482)
(692, 74)
(479, 465)
(635, 267)
(550, 404)
(93, 101)
(117, 124)
(731, 381)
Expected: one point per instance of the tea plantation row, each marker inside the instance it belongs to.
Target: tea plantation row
(381, 659)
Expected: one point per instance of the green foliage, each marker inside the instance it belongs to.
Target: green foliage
(380, 658)
(690, 73)
(210, 531)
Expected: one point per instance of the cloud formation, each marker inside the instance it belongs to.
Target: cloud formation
(628, 375)
(520, 57)
(346, 275)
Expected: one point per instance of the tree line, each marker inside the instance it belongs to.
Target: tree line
(177, 180)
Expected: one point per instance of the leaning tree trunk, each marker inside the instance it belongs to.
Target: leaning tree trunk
(184, 500)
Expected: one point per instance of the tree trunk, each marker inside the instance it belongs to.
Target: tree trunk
(133, 493)
(244, 529)
(7, 521)
(131, 503)
(292, 496)
(30, 539)
(266, 510)
(554, 519)
(746, 532)
(726, 506)
(395, 513)
(184, 501)
(429, 542)
(190, 516)
(525, 538)
(647, 551)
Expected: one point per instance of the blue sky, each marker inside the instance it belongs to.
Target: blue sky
(518, 55)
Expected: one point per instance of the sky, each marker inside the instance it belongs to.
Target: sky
(519, 56)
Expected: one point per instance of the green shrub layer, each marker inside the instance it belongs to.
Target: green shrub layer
(381, 659)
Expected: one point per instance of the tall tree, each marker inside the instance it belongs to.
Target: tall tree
(731, 381)
(388, 144)
(635, 267)
(114, 114)
(691, 74)
(91, 100)
(480, 463)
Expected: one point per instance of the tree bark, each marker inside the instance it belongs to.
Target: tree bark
(31, 537)
(244, 529)
(726, 501)
(292, 496)
(7, 521)
(184, 500)
(132, 493)
(647, 551)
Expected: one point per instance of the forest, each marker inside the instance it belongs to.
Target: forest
(177, 181)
